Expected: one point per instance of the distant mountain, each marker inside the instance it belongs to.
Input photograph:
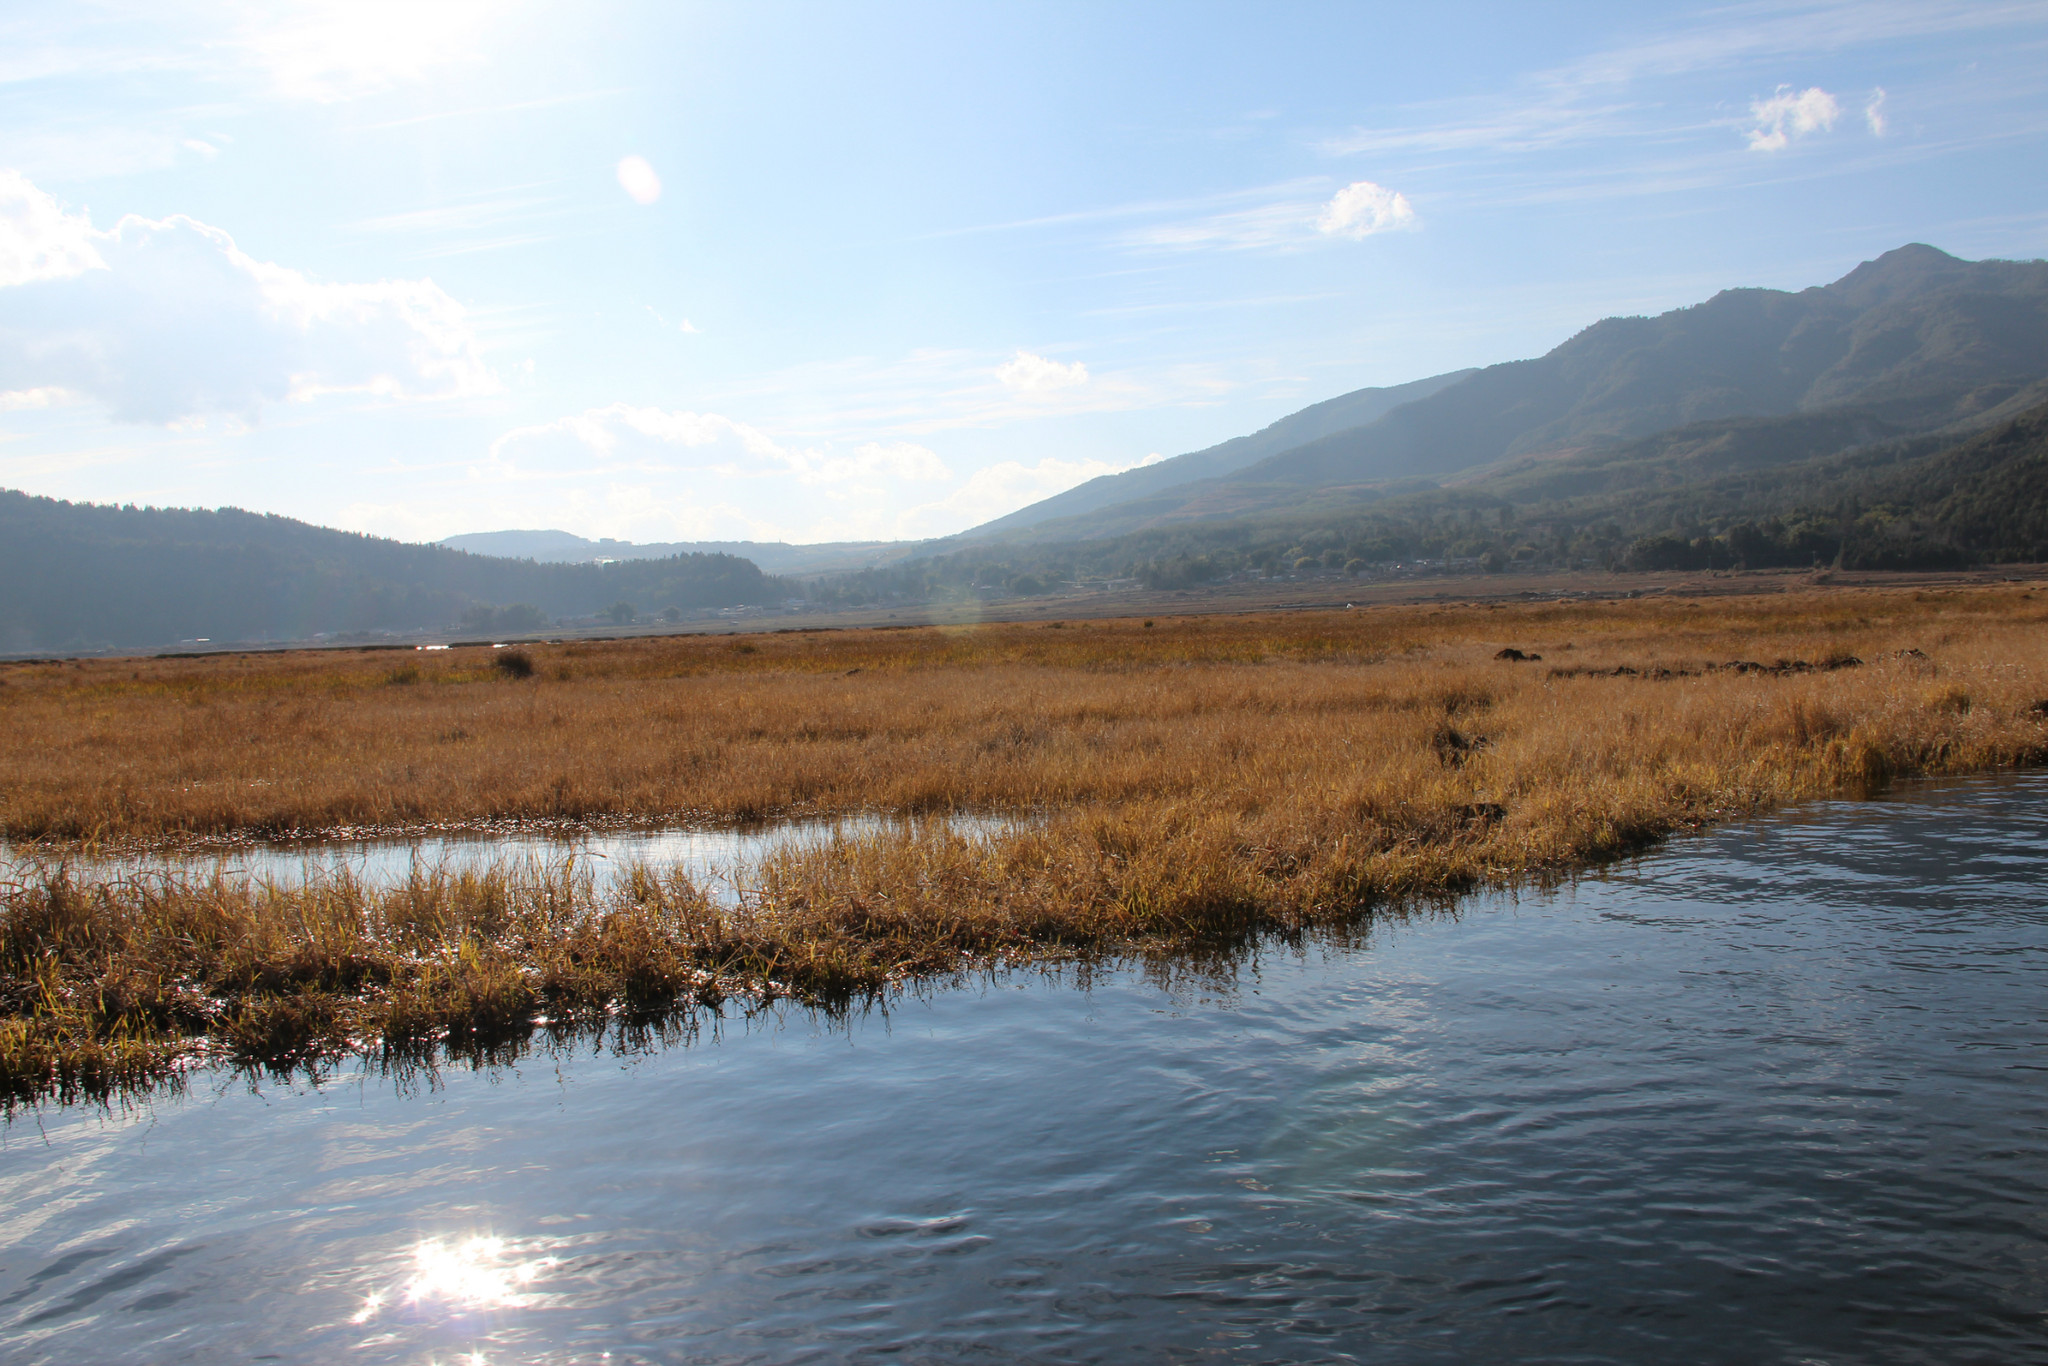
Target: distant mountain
(559, 547)
(1735, 493)
(1343, 413)
(84, 576)
(1916, 340)
(774, 557)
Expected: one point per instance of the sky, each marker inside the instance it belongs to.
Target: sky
(820, 271)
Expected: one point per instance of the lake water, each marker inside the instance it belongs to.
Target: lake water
(710, 856)
(1777, 1094)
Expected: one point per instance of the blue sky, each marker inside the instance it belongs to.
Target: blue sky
(832, 271)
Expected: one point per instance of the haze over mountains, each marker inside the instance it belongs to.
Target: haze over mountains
(1896, 417)
(1346, 412)
(774, 557)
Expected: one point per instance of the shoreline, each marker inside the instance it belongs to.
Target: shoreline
(309, 1034)
(1314, 594)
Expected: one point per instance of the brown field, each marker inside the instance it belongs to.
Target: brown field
(1192, 781)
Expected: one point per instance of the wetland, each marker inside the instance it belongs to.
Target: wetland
(1002, 794)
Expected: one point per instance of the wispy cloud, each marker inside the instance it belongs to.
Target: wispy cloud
(497, 110)
(1190, 206)
(1623, 92)
(1656, 136)
(1263, 227)
(1307, 214)
(1207, 305)
(500, 207)
(660, 473)
(928, 392)
(490, 221)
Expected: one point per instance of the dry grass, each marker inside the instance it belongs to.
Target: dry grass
(1196, 781)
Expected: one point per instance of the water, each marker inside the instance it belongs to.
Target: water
(1778, 1094)
(710, 857)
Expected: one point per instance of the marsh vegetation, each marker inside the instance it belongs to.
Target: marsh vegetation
(1191, 782)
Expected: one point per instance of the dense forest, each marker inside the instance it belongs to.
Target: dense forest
(81, 576)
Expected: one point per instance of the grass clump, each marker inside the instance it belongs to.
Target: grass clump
(513, 663)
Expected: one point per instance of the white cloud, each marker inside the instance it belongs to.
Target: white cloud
(165, 319)
(38, 240)
(15, 400)
(1362, 208)
(1873, 112)
(638, 180)
(1031, 374)
(1789, 115)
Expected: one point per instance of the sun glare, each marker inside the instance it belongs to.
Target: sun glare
(336, 48)
(475, 1273)
(463, 1274)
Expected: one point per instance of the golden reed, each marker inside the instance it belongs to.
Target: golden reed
(1188, 782)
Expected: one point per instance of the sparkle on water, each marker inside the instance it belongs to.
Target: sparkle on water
(479, 1272)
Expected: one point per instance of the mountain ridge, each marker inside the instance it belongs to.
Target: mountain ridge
(1354, 409)
(1916, 338)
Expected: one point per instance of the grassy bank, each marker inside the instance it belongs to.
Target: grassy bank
(1192, 781)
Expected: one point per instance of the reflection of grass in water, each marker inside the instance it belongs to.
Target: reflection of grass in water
(1198, 784)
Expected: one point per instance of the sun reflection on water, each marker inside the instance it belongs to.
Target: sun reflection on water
(469, 1273)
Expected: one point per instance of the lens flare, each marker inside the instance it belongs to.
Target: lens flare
(639, 181)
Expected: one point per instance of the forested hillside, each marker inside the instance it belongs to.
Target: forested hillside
(80, 575)
(1745, 494)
